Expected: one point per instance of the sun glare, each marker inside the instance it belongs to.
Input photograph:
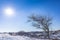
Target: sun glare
(9, 12)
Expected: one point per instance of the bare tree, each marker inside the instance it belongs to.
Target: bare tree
(41, 22)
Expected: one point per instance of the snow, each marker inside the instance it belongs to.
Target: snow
(9, 37)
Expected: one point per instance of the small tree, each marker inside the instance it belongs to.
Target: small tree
(41, 22)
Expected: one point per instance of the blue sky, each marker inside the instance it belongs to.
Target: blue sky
(23, 9)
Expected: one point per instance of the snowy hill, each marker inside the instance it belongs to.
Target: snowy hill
(28, 36)
(37, 34)
(9, 37)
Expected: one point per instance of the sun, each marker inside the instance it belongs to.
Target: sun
(9, 12)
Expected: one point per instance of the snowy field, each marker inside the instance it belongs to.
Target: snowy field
(9, 37)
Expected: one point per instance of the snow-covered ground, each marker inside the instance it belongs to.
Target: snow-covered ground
(9, 37)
